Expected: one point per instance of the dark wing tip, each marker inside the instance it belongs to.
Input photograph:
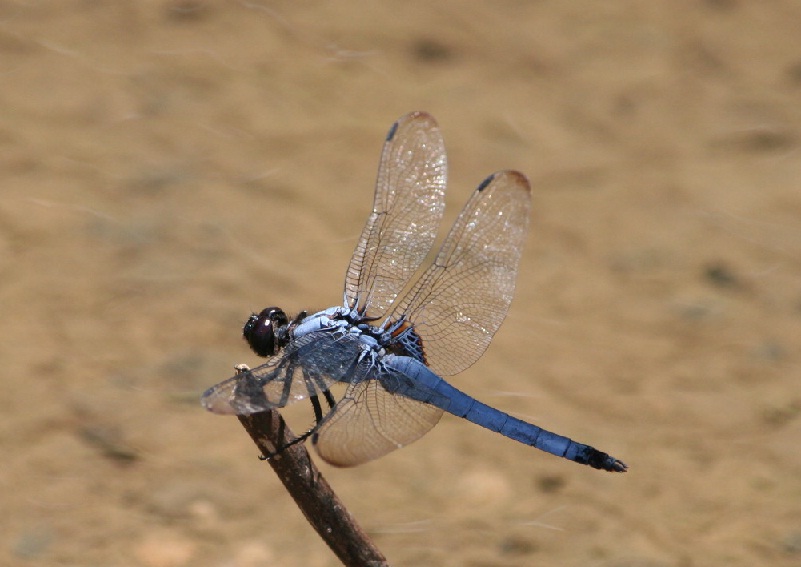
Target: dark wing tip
(416, 116)
(519, 178)
(487, 181)
(511, 178)
(392, 130)
(421, 115)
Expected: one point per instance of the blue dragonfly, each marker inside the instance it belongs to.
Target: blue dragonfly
(390, 350)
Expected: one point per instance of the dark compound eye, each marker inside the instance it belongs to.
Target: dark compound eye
(260, 330)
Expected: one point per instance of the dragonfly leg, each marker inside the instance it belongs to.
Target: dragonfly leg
(283, 448)
(329, 398)
(318, 414)
(318, 418)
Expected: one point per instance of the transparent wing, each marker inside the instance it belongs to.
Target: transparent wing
(307, 367)
(407, 210)
(370, 421)
(458, 304)
(252, 391)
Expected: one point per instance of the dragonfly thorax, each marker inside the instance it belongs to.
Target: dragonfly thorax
(399, 338)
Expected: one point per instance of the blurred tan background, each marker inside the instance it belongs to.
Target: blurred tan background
(167, 167)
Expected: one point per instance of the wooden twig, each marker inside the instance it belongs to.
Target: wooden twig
(313, 495)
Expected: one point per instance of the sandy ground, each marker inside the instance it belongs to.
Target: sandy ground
(170, 166)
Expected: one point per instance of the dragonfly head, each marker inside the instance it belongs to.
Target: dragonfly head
(266, 332)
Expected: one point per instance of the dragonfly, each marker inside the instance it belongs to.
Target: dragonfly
(395, 337)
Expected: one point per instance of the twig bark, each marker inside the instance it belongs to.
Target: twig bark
(313, 495)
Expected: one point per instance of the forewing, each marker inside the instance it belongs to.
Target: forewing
(369, 422)
(458, 304)
(307, 367)
(407, 210)
(255, 390)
